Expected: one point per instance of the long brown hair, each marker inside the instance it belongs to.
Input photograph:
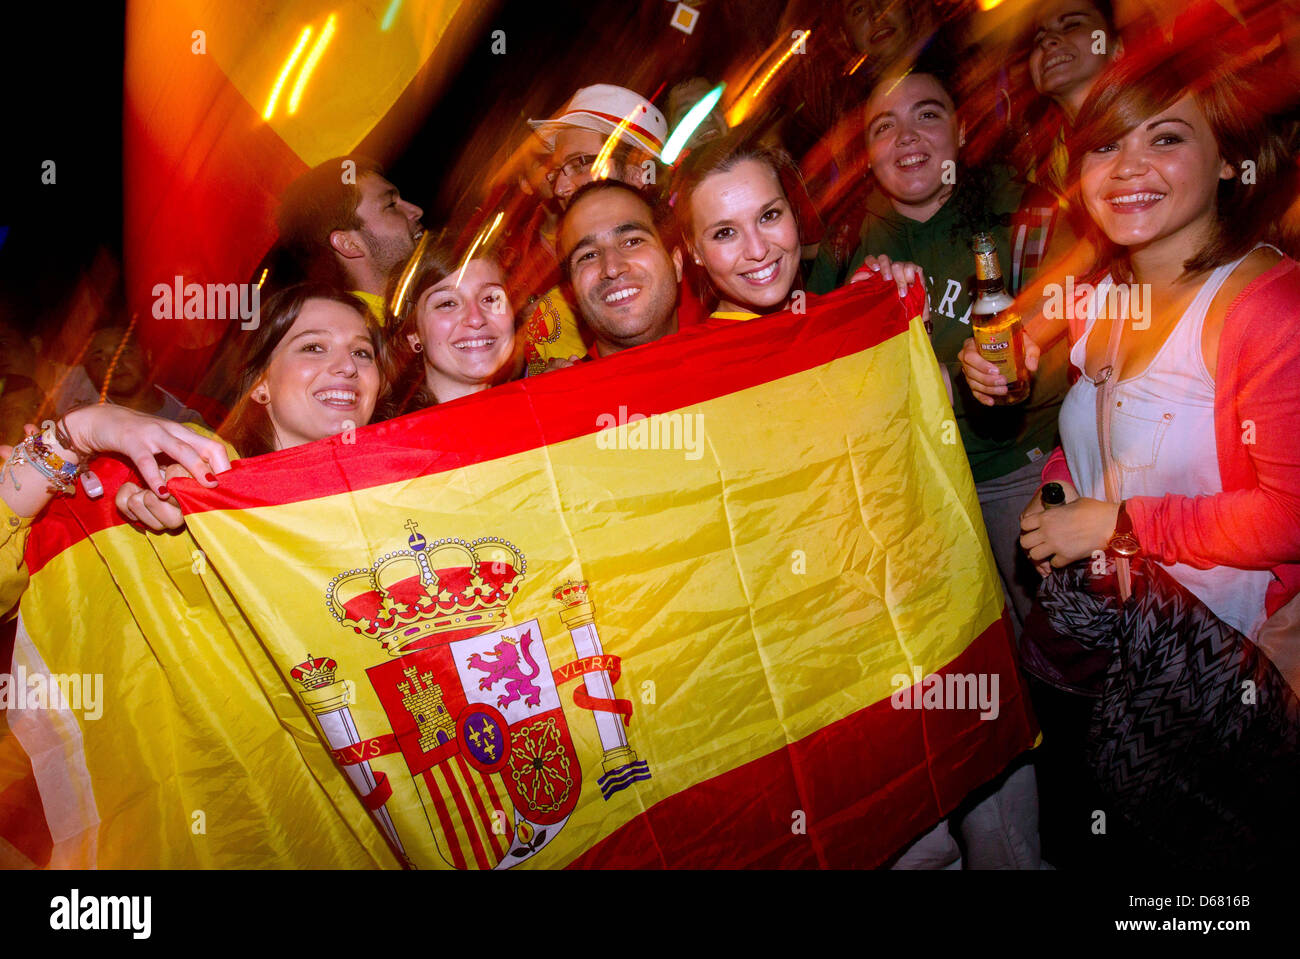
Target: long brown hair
(431, 263)
(1143, 83)
(248, 427)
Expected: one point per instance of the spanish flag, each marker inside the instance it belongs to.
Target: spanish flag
(724, 600)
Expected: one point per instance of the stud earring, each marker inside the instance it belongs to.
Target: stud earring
(418, 347)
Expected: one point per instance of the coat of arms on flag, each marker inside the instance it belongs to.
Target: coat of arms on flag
(475, 711)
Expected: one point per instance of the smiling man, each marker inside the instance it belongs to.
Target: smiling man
(602, 119)
(624, 280)
(603, 132)
(348, 226)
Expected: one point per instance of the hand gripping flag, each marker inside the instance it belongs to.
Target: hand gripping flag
(725, 600)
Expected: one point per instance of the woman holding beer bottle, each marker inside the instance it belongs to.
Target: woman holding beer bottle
(1207, 394)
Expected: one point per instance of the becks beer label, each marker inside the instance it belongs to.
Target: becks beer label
(999, 349)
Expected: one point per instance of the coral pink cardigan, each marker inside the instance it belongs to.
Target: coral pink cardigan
(1255, 522)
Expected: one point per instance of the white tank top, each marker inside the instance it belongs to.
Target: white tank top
(1163, 440)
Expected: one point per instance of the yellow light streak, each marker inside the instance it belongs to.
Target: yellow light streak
(803, 39)
(600, 168)
(742, 107)
(284, 72)
(478, 240)
(313, 58)
(408, 274)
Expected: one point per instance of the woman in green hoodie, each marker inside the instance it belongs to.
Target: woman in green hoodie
(926, 210)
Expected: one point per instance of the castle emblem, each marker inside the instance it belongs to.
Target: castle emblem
(422, 698)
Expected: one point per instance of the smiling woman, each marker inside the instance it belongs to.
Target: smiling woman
(454, 316)
(1180, 468)
(1072, 42)
(734, 211)
(315, 367)
(1161, 170)
(883, 31)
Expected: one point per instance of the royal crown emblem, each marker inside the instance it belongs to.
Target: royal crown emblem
(315, 673)
(445, 588)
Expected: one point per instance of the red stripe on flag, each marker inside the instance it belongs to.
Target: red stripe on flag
(471, 833)
(692, 367)
(483, 814)
(497, 804)
(22, 820)
(444, 817)
(857, 780)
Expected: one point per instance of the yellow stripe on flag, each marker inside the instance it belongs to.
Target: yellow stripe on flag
(200, 757)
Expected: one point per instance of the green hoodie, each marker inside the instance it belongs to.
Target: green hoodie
(998, 440)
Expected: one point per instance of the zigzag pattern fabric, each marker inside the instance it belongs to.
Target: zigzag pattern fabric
(1195, 732)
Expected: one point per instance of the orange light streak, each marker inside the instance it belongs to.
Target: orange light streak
(746, 103)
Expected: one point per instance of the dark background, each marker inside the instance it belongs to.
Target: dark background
(62, 100)
(62, 82)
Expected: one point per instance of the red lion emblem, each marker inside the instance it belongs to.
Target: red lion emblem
(519, 684)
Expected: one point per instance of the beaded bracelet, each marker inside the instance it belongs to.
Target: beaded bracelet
(35, 453)
(89, 481)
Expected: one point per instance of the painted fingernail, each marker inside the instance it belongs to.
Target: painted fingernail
(209, 478)
(162, 491)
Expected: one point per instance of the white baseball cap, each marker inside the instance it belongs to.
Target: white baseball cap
(604, 109)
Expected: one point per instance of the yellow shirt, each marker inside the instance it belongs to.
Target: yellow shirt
(375, 302)
(551, 331)
(1053, 172)
(13, 571)
(13, 539)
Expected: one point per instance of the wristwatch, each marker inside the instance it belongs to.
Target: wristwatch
(1123, 542)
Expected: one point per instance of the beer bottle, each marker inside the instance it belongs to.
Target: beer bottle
(1053, 495)
(998, 331)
